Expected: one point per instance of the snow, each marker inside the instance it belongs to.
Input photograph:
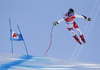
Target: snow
(28, 62)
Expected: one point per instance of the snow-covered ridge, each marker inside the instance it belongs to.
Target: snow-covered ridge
(24, 62)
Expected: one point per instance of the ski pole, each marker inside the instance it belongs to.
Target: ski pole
(50, 41)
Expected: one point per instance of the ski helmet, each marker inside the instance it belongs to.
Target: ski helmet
(70, 12)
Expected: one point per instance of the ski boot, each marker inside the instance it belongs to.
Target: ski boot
(82, 38)
(76, 38)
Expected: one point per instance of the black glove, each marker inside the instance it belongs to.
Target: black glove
(89, 19)
(55, 23)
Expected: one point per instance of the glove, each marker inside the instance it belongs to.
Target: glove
(55, 23)
(89, 19)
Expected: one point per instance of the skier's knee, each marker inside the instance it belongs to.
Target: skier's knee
(79, 31)
(73, 33)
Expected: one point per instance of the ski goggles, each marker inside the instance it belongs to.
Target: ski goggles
(71, 14)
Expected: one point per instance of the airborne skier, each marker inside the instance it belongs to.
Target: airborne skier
(71, 24)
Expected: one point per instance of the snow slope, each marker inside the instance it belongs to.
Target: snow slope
(24, 62)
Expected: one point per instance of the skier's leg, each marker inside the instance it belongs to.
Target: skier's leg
(72, 32)
(74, 35)
(79, 31)
(76, 38)
(70, 28)
(82, 38)
(80, 34)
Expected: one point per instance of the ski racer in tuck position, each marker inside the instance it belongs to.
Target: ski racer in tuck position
(71, 24)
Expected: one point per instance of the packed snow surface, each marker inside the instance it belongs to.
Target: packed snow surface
(28, 62)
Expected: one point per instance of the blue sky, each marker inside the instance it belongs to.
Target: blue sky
(35, 19)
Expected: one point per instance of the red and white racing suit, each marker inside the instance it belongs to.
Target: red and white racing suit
(70, 23)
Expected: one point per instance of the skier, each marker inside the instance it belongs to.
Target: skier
(71, 24)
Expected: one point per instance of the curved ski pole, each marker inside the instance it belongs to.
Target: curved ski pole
(50, 41)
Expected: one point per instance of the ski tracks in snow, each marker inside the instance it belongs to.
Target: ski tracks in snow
(78, 48)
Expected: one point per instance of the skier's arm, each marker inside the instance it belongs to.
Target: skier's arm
(89, 19)
(82, 16)
(78, 16)
(59, 21)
